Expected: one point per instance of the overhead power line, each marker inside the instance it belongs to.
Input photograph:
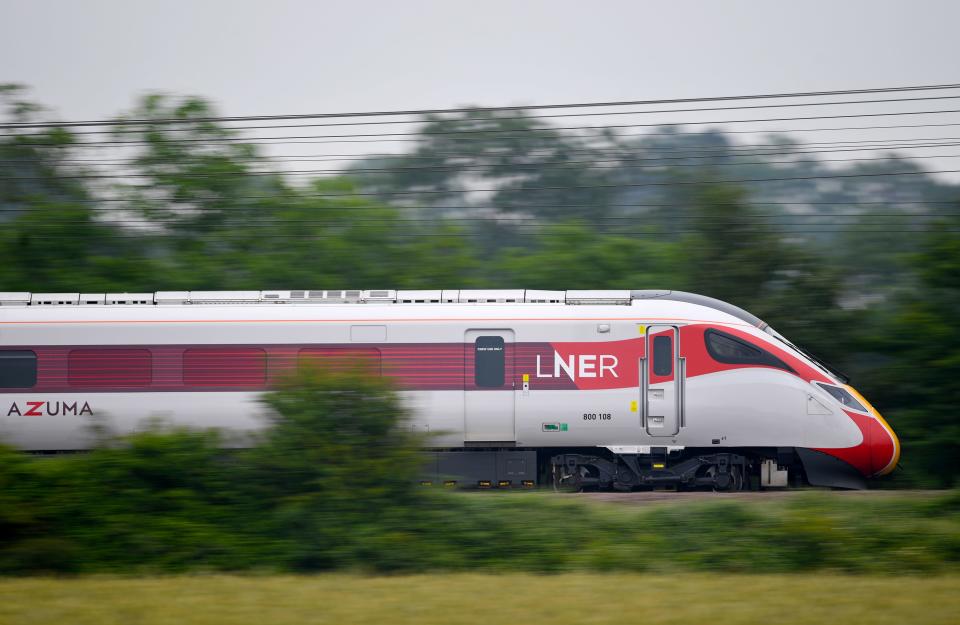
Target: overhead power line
(777, 219)
(406, 155)
(590, 165)
(437, 111)
(540, 128)
(14, 210)
(617, 154)
(528, 189)
(385, 137)
(680, 152)
(396, 236)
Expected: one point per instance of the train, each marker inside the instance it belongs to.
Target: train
(588, 389)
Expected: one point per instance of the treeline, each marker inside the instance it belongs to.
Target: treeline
(863, 273)
(331, 484)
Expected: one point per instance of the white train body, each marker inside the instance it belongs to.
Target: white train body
(626, 374)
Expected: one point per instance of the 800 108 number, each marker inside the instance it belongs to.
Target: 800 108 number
(596, 416)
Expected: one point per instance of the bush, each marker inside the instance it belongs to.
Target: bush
(331, 484)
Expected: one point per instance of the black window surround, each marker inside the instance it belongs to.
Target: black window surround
(733, 350)
(18, 368)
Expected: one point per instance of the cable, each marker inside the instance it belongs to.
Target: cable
(440, 111)
(776, 219)
(301, 196)
(24, 209)
(575, 165)
(677, 133)
(603, 186)
(765, 150)
(297, 139)
(541, 128)
(394, 235)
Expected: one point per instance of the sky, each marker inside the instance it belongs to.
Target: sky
(92, 59)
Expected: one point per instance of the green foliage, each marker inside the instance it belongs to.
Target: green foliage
(532, 168)
(335, 464)
(916, 371)
(730, 256)
(50, 231)
(331, 484)
(313, 491)
(575, 256)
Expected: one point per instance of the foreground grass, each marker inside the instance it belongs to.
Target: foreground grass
(471, 598)
(791, 533)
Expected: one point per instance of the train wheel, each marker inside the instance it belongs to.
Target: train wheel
(732, 481)
(564, 482)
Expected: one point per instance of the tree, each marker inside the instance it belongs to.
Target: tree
(576, 256)
(914, 368)
(54, 236)
(533, 169)
(731, 254)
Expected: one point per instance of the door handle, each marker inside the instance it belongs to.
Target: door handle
(682, 386)
(643, 392)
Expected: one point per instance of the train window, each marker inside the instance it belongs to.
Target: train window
(225, 367)
(662, 355)
(732, 350)
(18, 368)
(488, 361)
(109, 367)
(843, 396)
(339, 358)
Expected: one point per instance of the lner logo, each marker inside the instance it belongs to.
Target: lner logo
(580, 366)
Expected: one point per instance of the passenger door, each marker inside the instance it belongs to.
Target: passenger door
(662, 382)
(489, 412)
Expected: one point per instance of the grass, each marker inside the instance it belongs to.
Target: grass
(579, 598)
(788, 533)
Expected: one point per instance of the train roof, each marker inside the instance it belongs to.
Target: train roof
(375, 297)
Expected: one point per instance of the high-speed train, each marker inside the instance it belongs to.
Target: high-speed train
(515, 388)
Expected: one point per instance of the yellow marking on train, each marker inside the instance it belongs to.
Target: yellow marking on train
(642, 330)
(895, 458)
(633, 406)
(526, 377)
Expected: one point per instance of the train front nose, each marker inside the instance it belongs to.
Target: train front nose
(883, 441)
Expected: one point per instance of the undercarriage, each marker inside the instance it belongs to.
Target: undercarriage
(625, 472)
(647, 468)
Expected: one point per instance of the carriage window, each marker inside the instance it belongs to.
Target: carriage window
(662, 355)
(341, 359)
(225, 367)
(488, 361)
(109, 367)
(732, 350)
(18, 369)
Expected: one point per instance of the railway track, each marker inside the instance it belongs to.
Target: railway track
(662, 496)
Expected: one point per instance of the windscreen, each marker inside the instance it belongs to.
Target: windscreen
(843, 396)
